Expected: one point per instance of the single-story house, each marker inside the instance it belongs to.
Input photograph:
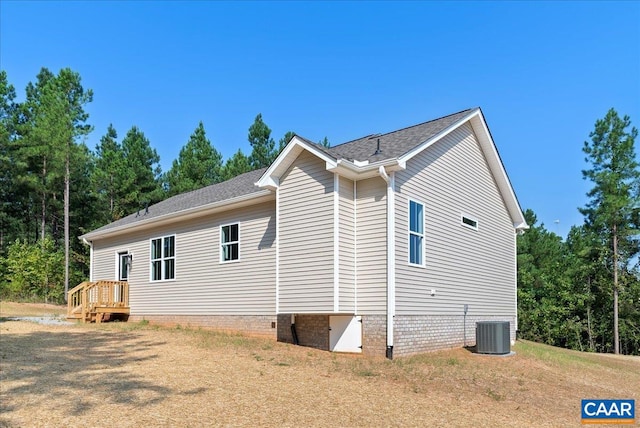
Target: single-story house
(391, 244)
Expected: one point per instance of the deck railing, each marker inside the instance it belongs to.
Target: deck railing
(89, 297)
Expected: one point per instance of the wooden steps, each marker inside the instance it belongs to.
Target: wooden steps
(98, 301)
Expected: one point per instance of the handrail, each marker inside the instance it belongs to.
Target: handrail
(100, 294)
(109, 293)
(76, 297)
(78, 287)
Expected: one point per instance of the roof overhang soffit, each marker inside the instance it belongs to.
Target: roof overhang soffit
(271, 177)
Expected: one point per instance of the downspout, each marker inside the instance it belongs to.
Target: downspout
(90, 244)
(336, 242)
(391, 254)
(277, 272)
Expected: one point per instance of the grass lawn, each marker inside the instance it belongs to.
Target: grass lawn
(13, 309)
(133, 375)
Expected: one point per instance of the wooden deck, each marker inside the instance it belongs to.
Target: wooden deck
(98, 301)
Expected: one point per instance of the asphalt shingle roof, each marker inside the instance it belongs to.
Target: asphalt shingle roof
(392, 145)
(233, 188)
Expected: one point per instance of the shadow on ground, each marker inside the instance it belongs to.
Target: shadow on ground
(81, 368)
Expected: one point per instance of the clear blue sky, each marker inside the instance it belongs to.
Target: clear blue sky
(542, 72)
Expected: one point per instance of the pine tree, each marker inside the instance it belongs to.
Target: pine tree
(325, 142)
(285, 140)
(10, 218)
(109, 176)
(263, 146)
(66, 99)
(141, 185)
(612, 211)
(199, 164)
(34, 154)
(236, 165)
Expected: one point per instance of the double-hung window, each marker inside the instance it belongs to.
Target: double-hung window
(229, 242)
(163, 258)
(416, 233)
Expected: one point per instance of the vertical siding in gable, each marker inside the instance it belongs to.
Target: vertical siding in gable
(464, 266)
(203, 286)
(306, 282)
(347, 246)
(371, 246)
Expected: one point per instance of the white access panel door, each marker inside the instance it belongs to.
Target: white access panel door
(345, 333)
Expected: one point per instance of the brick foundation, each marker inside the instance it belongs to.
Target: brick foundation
(374, 335)
(312, 330)
(255, 325)
(414, 334)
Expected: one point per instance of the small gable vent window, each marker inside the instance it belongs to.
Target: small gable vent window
(229, 242)
(469, 222)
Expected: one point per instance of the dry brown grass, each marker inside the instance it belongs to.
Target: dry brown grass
(134, 375)
(13, 309)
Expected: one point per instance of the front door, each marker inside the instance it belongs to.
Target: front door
(123, 266)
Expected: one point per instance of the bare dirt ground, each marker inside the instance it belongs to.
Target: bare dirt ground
(134, 375)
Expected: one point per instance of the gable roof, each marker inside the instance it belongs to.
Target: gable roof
(235, 190)
(360, 158)
(393, 144)
(356, 159)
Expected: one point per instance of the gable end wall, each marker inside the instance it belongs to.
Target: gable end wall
(463, 266)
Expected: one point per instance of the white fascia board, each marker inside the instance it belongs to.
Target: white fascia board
(479, 125)
(215, 207)
(356, 170)
(352, 171)
(492, 156)
(440, 135)
(271, 176)
(269, 182)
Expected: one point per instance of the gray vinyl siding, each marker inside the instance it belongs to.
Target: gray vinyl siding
(202, 285)
(347, 246)
(371, 245)
(464, 266)
(306, 244)
(104, 257)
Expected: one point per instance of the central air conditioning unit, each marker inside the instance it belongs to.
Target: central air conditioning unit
(493, 337)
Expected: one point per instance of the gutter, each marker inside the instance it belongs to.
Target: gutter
(218, 206)
(353, 171)
(391, 256)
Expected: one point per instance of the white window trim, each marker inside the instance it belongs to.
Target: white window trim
(162, 259)
(117, 257)
(410, 232)
(220, 243)
(475, 220)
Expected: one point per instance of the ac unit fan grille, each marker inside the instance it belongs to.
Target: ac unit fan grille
(493, 337)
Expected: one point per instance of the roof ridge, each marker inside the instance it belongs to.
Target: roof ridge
(424, 123)
(402, 129)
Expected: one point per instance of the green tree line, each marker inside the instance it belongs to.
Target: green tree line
(53, 188)
(581, 293)
(584, 292)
